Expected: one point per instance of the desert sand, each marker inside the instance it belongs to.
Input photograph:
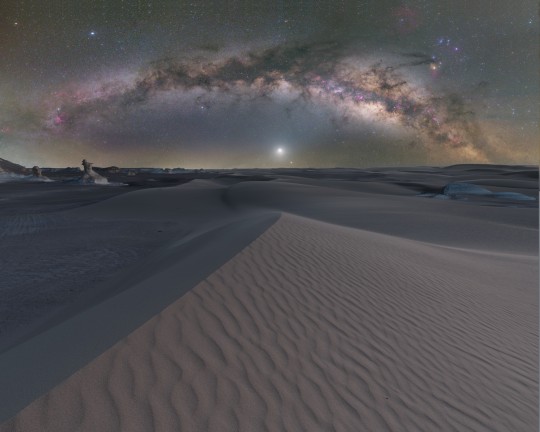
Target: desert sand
(317, 300)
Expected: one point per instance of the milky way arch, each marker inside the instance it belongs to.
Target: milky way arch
(320, 74)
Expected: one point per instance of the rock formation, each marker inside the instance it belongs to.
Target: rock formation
(90, 176)
(10, 167)
(37, 175)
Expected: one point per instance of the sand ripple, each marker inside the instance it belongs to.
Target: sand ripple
(318, 327)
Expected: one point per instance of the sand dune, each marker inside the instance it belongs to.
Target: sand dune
(321, 327)
(396, 212)
(301, 304)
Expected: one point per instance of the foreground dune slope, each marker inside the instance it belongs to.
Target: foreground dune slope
(320, 327)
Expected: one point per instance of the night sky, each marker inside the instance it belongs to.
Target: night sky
(269, 83)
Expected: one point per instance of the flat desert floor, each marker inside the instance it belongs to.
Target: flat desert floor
(273, 300)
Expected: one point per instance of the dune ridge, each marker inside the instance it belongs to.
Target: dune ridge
(320, 327)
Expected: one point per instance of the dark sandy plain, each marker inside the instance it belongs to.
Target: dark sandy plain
(374, 299)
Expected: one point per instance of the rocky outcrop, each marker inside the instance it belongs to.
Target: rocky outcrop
(37, 175)
(10, 167)
(90, 176)
(467, 191)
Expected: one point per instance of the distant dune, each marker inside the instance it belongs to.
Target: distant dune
(338, 302)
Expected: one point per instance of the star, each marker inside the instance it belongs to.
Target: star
(263, 78)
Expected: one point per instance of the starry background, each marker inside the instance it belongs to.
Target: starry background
(226, 83)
